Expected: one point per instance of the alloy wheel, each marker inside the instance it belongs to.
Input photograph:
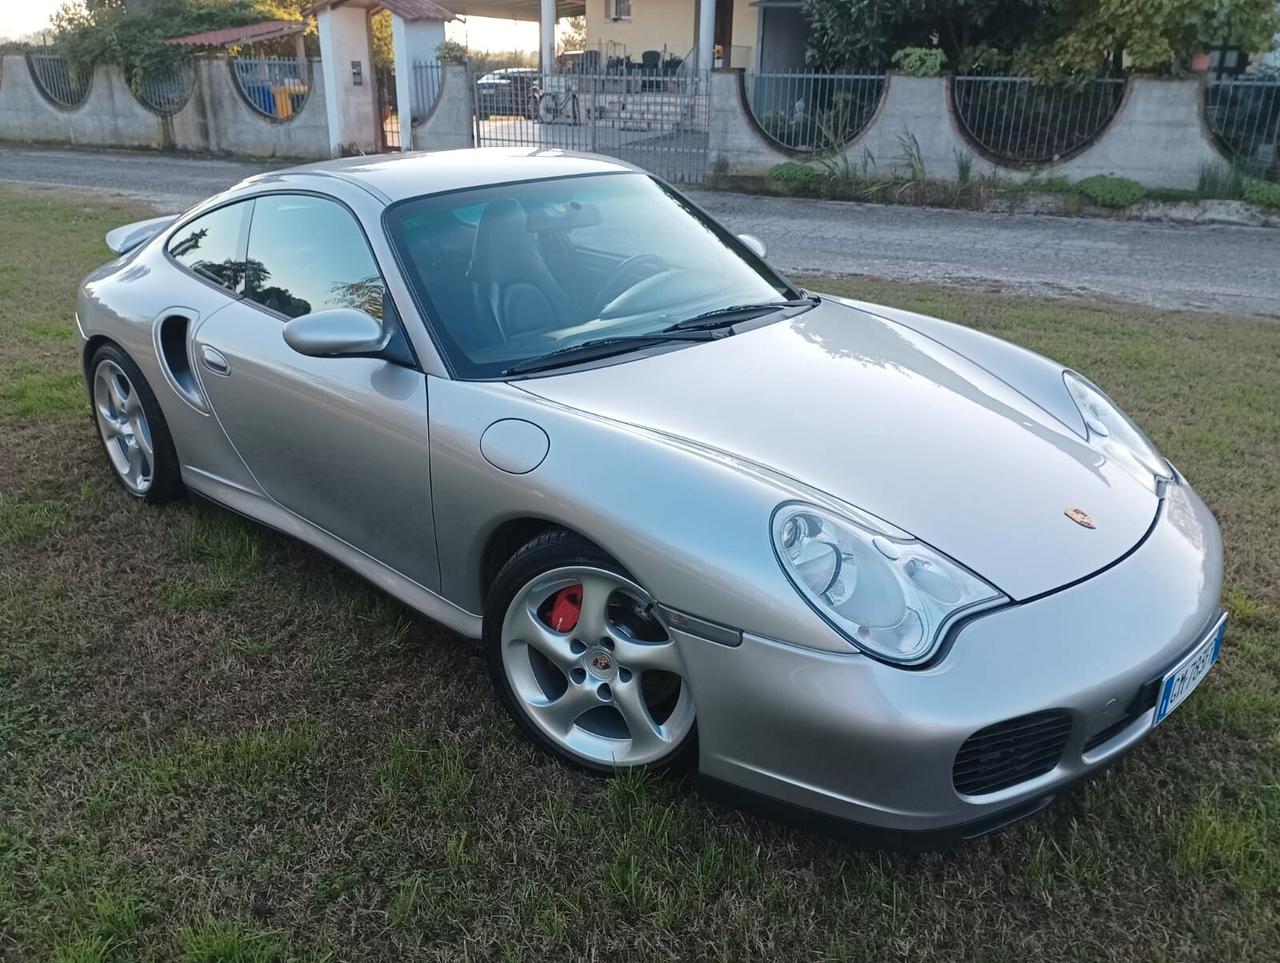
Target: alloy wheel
(594, 670)
(123, 426)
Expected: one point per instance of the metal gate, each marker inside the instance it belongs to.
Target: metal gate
(384, 87)
(655, 120)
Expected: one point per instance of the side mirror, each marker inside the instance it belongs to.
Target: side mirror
(335, 333)
(754, 243)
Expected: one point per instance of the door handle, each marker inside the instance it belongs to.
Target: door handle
(214, 360)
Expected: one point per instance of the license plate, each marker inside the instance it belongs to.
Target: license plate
(1186, 675)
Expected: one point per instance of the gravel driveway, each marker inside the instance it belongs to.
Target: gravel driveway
(1212, 268)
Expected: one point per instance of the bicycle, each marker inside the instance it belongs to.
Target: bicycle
(552, 106)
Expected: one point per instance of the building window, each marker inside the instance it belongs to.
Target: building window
(618, 9)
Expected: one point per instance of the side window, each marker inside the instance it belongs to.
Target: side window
(308, 254)
(210, 246)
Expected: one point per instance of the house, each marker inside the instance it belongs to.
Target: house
(752, 34)
(768, 35)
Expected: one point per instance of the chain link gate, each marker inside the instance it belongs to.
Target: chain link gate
(656, 120)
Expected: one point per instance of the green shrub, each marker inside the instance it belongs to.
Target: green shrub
(792, 172)
(1264, 193)
(920, 61)
(1107, 191)
(451, 52)
(1222, 181)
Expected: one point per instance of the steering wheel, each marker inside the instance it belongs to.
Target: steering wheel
(620, 280)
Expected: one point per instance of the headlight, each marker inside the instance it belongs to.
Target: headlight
(1112, 431)
(892, 598)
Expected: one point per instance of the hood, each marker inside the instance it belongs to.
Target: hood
(896, 424)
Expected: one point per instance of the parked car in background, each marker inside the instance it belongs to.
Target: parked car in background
(839, 557)
(508, 92)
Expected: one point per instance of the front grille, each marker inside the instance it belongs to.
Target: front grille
(1010, 752)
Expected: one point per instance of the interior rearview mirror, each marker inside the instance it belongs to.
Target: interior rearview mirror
(754, 243)
(335, 333)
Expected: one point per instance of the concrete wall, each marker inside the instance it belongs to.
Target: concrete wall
(451, 122)
(745, 25)
(109, 116)
(1157, 137)
(216, 119)
(421, 38)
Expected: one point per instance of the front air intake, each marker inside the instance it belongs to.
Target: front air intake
(1010, 752)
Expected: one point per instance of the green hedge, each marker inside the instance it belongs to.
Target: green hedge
(1107, 191)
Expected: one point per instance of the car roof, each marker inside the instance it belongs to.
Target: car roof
(395, 177)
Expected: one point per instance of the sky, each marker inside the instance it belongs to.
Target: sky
(21, 17)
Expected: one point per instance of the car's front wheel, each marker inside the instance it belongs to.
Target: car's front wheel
(581, 661)
(134, 433)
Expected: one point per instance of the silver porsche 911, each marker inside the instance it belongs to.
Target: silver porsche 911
(847, 561)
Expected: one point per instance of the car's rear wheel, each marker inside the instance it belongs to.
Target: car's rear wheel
(134, 434)
(582, 663)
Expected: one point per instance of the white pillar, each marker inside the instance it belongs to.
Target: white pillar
(706, 34)
(351, 110)
(547, 34)
(404, 80)
(329, 72)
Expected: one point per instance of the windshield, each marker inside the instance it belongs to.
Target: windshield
(513, 272)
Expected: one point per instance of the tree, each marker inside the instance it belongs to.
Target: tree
(1084, 37)
(109, 31)
(571, 34)
(381, 39)
(866, 33)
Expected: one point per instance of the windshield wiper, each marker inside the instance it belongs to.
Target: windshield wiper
(723, 317)
(604, 348)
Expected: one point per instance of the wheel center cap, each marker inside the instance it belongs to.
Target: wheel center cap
(600, 663)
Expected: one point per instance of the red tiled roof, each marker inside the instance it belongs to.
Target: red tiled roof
(417, 9)
(408, 9)
(250, 33)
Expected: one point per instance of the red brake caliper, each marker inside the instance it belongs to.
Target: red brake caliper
(566, 609)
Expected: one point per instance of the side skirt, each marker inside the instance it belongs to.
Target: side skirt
(267, 512)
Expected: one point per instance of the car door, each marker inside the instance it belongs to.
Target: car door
(340, 442)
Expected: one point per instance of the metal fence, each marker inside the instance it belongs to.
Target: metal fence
(165, 90)
(275, 87)
(813, 112)
(1016, 120)
(387, 98)
(424, 88)
(1244, 114)
(61, 83)
(656, 120)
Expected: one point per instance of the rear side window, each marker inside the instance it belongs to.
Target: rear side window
(210, 246)
(308, 254)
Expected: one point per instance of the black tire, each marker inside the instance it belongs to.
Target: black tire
(556, 548)
(166, 475)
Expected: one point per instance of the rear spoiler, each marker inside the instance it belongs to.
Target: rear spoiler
(124, 239)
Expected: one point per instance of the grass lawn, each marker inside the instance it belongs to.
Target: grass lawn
(217, 745)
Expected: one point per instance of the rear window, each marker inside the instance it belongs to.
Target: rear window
(212, 244)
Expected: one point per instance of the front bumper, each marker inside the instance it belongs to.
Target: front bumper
(847, 737)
